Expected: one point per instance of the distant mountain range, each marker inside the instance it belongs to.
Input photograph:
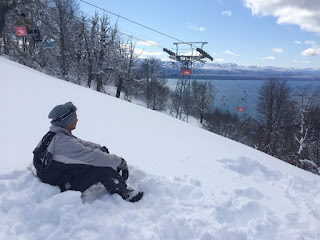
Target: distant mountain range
(233, 71)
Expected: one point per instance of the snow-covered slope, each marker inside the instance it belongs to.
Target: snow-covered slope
(197, 185)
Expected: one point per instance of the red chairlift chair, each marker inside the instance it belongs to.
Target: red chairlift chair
(242, 103)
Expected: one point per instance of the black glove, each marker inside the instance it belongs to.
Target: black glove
(124, 168)
(104, 149)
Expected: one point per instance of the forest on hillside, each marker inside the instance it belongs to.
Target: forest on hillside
(88, 50)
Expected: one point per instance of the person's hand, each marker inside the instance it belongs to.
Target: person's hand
(104, 149)
(123, 167)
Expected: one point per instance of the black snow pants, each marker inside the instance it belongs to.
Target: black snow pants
(85, 178)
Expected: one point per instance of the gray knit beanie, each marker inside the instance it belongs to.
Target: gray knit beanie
(62, 115)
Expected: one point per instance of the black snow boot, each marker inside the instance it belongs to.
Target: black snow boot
(131, 195)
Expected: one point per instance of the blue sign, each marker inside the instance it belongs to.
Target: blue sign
(47, 44)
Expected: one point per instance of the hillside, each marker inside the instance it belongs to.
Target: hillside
(197, 185)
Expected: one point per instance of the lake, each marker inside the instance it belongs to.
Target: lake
(233, 91)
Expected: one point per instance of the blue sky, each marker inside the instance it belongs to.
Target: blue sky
(281, 33)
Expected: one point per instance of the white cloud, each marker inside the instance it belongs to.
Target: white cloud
(189, 53)
(219, 59)
(268, 58)
(314, 51)
(231, 53)
(310, 42)
(196, 28)
(297, 42)
(226, 13)
(278, 50)
(147, 43)
(305, 14)
(166, 59)
(146, 53)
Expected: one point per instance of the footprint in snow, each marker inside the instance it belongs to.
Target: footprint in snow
(249, 167)
(250, 193)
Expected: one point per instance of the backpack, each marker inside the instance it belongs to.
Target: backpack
(41, 156)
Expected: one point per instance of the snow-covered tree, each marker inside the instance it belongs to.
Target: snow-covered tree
(306, 102)
(65, 20)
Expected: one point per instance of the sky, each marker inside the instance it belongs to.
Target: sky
(196, 184)
(280, 33)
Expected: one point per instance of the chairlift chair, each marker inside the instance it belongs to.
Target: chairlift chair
(242, 103)
(36, 34)
(27, 29)
(224, 107)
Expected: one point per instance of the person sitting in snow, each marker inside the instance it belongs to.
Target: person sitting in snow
(63, 160)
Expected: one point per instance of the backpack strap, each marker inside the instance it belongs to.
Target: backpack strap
(41, 155)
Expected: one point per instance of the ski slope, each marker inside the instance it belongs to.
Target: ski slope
(197, 185)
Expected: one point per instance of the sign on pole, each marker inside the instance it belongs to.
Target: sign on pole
(21, 31)
(186, 72)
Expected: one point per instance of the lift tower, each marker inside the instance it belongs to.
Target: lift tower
(186, 57)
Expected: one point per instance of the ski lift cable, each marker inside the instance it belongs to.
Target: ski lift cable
(138, 38)
(217, 89)
(151, 41)
(226, 72)
(129, 20)
(224, 95)
(133, 79)
(240, 103)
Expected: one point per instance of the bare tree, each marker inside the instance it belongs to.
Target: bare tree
(275, 112)
(126, 58)
(222, 123)
(156, 92)
(88, 34)
(202, 97)
(66, 12)
(5, 6)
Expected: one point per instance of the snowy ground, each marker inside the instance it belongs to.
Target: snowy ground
(197, 185)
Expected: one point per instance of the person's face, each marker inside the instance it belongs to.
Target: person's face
(73, 123)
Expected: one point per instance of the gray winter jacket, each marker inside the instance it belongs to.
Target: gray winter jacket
(68, 149)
